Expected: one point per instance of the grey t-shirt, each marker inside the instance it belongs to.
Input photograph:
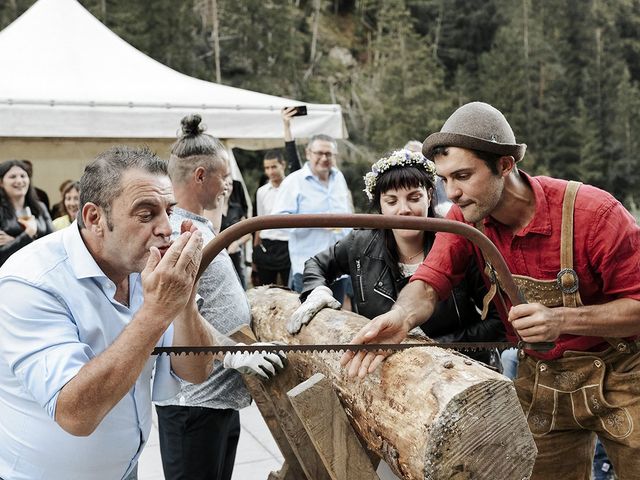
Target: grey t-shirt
(226, 307)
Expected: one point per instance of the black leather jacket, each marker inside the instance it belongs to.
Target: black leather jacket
(361, 255)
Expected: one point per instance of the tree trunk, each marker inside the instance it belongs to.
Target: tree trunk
(215, 36)
(429, 413)
(314, 31)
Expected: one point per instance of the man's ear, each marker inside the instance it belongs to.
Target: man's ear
(506, 164)
(91, 216)
(199, 174)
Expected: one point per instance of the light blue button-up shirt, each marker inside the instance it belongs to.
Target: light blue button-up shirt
(302, 192)
(57, 312)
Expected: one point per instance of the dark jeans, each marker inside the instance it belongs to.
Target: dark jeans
(270, 277)
(602, 468)
(198, 443)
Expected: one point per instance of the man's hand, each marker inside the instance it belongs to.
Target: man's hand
(5, 238)
(387, 328)
(287, 114)
(168, 281)
(319, 298)
(536, 323)
(265, 365)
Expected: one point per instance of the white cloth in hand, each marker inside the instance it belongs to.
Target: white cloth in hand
(319, 298)
(265, 365)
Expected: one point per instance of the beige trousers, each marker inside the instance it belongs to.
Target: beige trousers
(570, 400)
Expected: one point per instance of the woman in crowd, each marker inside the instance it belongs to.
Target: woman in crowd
(22, 217)
(70, 205)
(380, 262)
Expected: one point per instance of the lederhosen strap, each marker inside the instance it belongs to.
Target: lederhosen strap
(567, 278)
(494, 288)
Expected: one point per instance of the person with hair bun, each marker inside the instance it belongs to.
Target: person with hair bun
(199, 428)
(23, 218)
(380, 262)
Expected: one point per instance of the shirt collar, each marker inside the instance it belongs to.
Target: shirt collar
(193, 216)
(82, 262)
(541, 221)
(308, 173)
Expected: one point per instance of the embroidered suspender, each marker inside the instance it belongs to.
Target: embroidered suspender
(567, 278)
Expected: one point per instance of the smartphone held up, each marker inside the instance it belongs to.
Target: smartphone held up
(300, 110)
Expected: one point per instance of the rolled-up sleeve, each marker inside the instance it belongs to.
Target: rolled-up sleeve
(39, 341)
(447, 261)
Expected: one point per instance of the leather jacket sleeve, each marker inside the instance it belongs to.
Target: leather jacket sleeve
(10, 248)
(291, 155)
(326, 266)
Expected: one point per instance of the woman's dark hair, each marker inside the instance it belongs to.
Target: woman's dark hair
(30, 200)
(402, 177)
(70, 186)
(193, 148)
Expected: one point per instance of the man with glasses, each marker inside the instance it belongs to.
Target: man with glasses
(318, 187)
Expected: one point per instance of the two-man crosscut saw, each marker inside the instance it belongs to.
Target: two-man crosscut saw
(490, 252)
(329, 348)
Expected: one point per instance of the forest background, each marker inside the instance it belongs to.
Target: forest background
(564, 72)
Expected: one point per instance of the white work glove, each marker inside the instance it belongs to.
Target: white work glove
(265, 365)
(319, 298)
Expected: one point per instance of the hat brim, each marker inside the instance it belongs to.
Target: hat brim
(444, 139)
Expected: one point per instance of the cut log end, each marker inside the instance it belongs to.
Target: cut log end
(479, 434)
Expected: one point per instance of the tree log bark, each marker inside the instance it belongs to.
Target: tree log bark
(430, 413)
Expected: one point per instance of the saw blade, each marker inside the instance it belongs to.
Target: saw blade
(328, 348)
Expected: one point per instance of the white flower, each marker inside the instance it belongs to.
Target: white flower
(398, 158)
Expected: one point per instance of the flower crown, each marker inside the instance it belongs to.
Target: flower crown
(398, 158)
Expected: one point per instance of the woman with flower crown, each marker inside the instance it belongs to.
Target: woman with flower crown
(380, 262)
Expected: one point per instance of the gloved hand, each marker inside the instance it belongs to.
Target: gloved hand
(319, 298)
(265, 365)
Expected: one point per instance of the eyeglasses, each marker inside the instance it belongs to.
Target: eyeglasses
(323, 154)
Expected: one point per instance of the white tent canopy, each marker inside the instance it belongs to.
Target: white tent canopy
(66, 75)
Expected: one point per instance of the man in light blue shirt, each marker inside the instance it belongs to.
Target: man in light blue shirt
(81, 311)
(318, 187)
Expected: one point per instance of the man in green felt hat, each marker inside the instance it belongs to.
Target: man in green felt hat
(574, 252)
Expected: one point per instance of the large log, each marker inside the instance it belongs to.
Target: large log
(430, 413)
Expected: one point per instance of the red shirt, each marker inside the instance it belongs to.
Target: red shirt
(606, 252)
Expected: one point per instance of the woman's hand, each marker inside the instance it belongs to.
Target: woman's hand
(5, 238)
(319, 298)
(30, 225)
